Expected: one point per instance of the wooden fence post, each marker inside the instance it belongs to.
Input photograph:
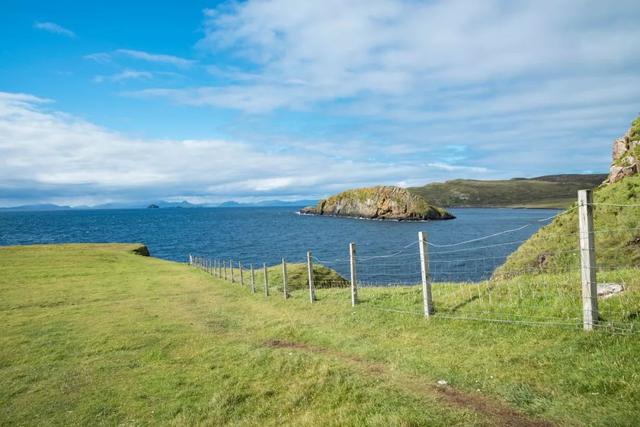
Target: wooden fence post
(354, 275)
(241, 275)
(253, 280)
(224, 265)
(285, 279)
(231, 268)
(190, 259)
(266, 280)
(312, 288)
(587, 260)
(424, 270)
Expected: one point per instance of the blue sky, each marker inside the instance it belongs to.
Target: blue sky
(108, 101)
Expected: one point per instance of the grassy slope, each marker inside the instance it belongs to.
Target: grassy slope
(97, 335)
(297, 277)
(617, 235)
(548, 191)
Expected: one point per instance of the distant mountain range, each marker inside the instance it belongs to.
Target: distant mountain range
(549, 191)
(161, 204)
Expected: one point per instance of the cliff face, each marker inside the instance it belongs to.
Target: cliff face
(379, 203)
(626, 154)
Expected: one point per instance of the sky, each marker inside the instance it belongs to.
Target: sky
(204, 101)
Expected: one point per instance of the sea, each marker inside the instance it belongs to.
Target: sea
(468, 248)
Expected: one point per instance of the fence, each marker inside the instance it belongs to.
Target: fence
(464, 281)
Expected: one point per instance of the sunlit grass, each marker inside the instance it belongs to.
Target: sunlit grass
(98, 335)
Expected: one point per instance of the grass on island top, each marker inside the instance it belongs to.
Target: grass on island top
(94, 334)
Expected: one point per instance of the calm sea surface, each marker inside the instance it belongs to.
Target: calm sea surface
(387, 251)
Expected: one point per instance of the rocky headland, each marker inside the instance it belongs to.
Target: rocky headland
(382, 202)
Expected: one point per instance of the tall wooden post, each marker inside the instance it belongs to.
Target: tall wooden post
(266, 280)
(424, 270)
(241, 273)
(312, 288)
(354, 275)
(190, 259)
(285, 279)
(253, 280)
(231, 268)
(224, 265)
(587, 260)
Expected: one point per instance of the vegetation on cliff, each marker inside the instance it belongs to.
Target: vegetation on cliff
(554, 247)
(382, 202)
(552, 191)
(616, 224)
(634, 133)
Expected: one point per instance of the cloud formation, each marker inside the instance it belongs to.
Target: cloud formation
(55, 157)
(154, 57)
(535, 87)
(125, 75)
(412, 53)
(54, 28)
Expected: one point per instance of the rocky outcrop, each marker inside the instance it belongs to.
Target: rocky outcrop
(626, 154)
(383, 202)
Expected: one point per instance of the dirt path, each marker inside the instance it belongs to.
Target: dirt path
(497, 412)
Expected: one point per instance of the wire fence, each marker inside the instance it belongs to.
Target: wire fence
(554, 279)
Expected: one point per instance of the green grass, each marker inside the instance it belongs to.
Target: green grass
(617, 231)
(297, 277)
(553, 191)
(634, 132)
(96, 335)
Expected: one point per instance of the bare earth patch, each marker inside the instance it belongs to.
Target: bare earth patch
(499, 413)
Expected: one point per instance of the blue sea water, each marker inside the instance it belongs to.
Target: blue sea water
(387, 250)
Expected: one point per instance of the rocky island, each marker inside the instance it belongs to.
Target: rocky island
(382, 202)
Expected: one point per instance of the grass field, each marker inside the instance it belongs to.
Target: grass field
(96, 335)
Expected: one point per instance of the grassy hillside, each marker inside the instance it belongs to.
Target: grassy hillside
(297, 277)
(554, 247)
(96, 335)
(551, 191)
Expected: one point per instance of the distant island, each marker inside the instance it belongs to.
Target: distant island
(383, 202)
(153, 206)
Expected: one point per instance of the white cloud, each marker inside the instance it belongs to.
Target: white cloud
(54, 28)
(125, 75)
(415, 52)
(153, 57)
(100, 57)
(456, 168)
(48, 155)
